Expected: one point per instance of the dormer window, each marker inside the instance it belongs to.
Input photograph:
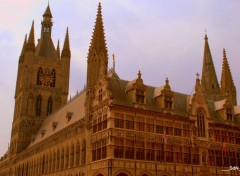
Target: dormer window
(54, 125)
(100, 95)
(168, 102)
(69, 116)
(43, 132)
(229, 114)
(139, 96)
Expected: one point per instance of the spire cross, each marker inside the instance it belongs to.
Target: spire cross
(205, 30)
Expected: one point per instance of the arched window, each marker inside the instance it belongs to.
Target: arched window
(201, 123)
(53, 75)
(49, 105)
(38, 76)
(77, 160)
(38, 105)
(83, 159)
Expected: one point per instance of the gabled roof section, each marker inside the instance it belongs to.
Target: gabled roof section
(59, 118)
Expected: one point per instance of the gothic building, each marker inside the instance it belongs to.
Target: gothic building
(115, 127)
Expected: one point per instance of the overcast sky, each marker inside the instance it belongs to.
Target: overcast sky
(161, 38)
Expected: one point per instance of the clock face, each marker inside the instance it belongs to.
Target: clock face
(47, 78)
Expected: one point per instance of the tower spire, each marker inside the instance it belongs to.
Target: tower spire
(228, 88)
(66, 47)
(209, 78)
(31, 39)
(98, 52)
(24, 46)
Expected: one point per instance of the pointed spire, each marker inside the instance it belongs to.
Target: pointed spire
(66, 47)
(24, 46)
(98, 42)
(58, 49)
(227, 84)
(209, 78)
(47, 12)
(31, 39)
(97, 51)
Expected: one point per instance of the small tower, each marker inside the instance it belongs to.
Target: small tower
(97, 61)
(228, 89)
(209, 78)
(42, 83)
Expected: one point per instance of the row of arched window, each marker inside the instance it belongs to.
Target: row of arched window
(54, 161)
(39, 106)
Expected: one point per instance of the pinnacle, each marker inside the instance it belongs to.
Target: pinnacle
(226, 72)
(24, 45)
(66, 47)
(58, 48)
(31, 38)
(98, 41)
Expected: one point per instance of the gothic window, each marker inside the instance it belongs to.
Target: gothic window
(49, 105)
(72, 156)
(67, 157)
(140, 150)
(38, 105)
(229, 114)
(83, 159)
(77, 154)
(119, 120)
(150, 152)
(201, 123)
(100, 95)
(168, 102)
(52, 84)
(39, 75)
(99, 150)
(160, 152)
(129, 149)
(29, 107)
(118, 148)
(129, 122)
(139, 96)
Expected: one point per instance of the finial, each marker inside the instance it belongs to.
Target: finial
(224, 53)
(205, 34)
(139, 74)
(197, 75)
(167, 81)
(113, 57)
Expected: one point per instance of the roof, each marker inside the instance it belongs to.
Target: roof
(76, 107)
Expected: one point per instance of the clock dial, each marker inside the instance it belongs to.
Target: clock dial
(46, 79)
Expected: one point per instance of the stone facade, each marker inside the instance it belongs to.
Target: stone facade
(115, 127)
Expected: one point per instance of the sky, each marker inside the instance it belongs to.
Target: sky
(161, 38)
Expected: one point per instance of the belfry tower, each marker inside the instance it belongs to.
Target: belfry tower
(209, 78)
(97, 60)
(42, 83)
